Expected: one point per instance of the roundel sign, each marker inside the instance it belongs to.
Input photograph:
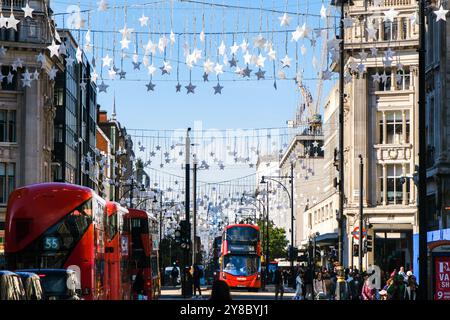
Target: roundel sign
(355, 233)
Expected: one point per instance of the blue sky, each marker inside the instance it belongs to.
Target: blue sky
(243, 104)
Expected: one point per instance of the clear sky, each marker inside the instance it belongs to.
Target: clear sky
(243, 104)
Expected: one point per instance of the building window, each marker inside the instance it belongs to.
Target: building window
(396, 129)
(7, 126)
(394, 184)
(390, 30)
(7, 180)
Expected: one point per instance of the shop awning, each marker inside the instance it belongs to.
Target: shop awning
(327, 238)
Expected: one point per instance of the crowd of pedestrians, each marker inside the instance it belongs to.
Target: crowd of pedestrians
(322, 285)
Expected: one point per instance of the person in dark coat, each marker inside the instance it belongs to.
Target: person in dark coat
(138, 284)
(220, 291)
(278, 280)
(198, 274)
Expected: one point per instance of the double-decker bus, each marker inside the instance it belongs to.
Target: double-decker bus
(144, 251)
(240, 265)
(53, 226)
(117, 251)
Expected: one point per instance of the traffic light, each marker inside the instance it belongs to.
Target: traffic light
(356, 250)
(292, 253)
(178, 236)
(185, 232)
(369, 244)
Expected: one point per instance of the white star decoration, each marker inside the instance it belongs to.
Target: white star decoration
(28, 11)
(390, 15)
(441, 14)
(285, 20)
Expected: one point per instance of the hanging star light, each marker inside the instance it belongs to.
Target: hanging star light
(441, 14)
(150, 87)
(54, 49)
(151, 69)
(297, 34)
(323, 12)
(3, 52)
(285, 20)
(102, 5)
(222, 49)
(218, 89)
(28, 12)
(126, 32)
(79, 55)
(390, 15)
(12, 22)
(260, 61)
(52, 73)
(94, 76)
(143, 20)
(166, 68)
(39, 58)
(26, 80)
(3, 21)
(107, 61)
(125, 43)
(286, 62)
(376, 77)
(260, 74)
(190, 88)
(18, 63)
(218, 69)
(374, 52)
(36, 75)
(102, 87)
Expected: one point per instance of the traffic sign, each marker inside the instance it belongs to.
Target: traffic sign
(355, 233)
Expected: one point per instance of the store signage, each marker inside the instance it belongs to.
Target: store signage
(442, 278)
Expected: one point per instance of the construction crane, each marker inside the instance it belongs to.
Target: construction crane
(308, 110)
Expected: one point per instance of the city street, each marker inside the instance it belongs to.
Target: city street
(234, 143)
(175, 294)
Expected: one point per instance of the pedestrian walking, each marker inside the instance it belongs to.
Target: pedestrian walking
(138, 285)
(174, 274)
(298, 287)
(198, 274)
(220, 291)
(412, 287)
(278, 280)
(397, 289)
(367, 293)
(319, 287)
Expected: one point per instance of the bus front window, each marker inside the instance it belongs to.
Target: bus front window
(241, 265)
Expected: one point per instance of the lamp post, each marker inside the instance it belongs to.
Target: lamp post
(262, 215)
(267, 229)
(422, 192)
(361, 217)
(291, 202)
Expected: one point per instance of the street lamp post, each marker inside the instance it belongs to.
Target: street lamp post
(291, 202)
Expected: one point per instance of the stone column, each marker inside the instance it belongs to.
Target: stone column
(384, 128)
(403, 126)
(384, 185)
(404, 186)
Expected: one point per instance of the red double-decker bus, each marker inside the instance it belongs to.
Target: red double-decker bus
(240, 265)
(117, 253)
(56, 225)
(143, 232)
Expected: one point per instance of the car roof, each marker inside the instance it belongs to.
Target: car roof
(7, 273)
(47, 271)
(25, 274)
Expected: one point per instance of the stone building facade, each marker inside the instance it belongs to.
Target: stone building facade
(381, 121)
(26, 112)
